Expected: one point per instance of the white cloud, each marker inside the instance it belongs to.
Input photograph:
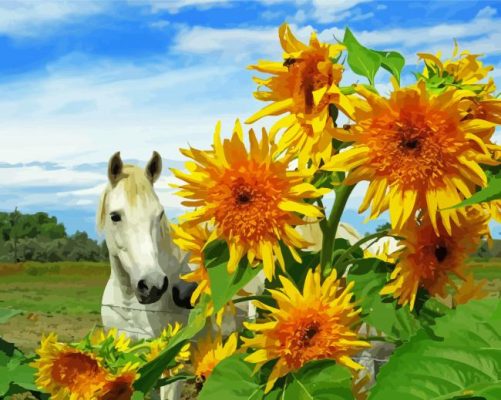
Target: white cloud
(235, 41)
(30, 18)
(325, 11)
(481, 28)
(81, 112)
(37, 176)
(487, 12)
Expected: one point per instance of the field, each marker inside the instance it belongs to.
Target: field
(64, 297)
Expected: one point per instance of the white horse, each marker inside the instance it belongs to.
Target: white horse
(144, 292)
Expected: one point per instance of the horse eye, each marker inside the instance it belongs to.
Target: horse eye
(161, 215)
(115, 217)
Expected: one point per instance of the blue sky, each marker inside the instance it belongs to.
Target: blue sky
(80, 80)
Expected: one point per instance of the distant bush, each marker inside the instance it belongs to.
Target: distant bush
(39, 237)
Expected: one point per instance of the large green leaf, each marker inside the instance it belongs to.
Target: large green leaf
(16, 375)
(233, 379)
(393, 62)
(151, 371)
(491, 192)
(370, 275)
(319, 380)
(461, 356)
(224, 285)
(361, 60)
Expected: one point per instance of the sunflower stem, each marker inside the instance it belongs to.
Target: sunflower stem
(342, 194)
(140, 346)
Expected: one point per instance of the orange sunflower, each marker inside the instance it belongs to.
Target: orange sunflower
(66, 373)
(417, 153)
(429, 259)
(312, 325)
(120, 386)
(303, 85)
(250, 198)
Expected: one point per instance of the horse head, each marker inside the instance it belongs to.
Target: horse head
(137, 232)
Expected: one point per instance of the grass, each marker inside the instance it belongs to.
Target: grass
(62, 297)
(72, 288)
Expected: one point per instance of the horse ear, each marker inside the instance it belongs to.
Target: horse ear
(115, 166)
(154, 167)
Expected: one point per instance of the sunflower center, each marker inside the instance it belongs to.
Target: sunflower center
(308, 333)
(243, 195)
(73, 368)
(416, 148)
(440, 253)
(306, 78)
(248, 206)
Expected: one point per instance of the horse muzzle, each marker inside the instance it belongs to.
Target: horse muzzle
(148, 294)
(181, 294)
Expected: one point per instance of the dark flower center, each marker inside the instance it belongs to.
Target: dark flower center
(243, 198)
(309, 333)
(410, 144)
(440, 253)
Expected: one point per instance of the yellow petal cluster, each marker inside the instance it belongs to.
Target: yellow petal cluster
(429, 260)
(209, 352)
(192, 239)
(314, 324)
(302, 86)
(418, 153)
(250, 197)
(159, 344)
(66, 373)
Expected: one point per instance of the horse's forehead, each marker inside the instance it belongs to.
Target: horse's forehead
(139, 203)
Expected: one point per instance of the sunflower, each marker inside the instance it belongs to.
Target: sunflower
(250, 198)
(120, 341)
(467, 69)
(467, 72)
(66, 373)
(303, 85)
(312, 325)
(192, 238)
(470, 290)
(417, 153)
(428, 260)
(119, 387)
(159, 344)
(210, 352)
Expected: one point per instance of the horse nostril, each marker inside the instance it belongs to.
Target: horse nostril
(142, 286)
(165, 284)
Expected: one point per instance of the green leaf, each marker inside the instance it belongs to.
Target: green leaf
(7, 351)
(361, 60)
(223, 284)
(460, 357)
(296, 271)
(491, 192)
(7, 313)
(233, 379)
(320, 380)
(370, 275)
(393, 62)
(151, 371)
